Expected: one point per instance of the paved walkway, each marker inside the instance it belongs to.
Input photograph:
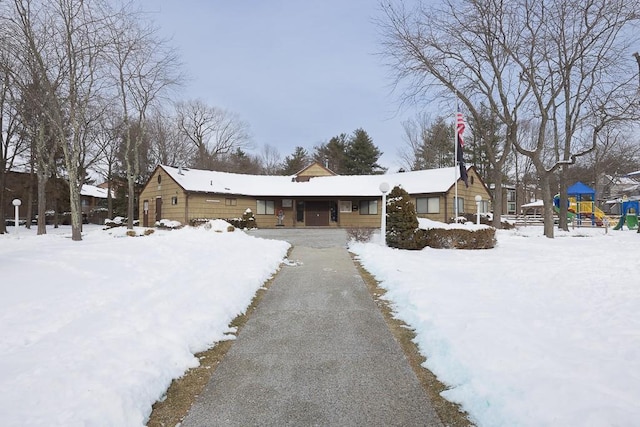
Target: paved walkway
(316, 352)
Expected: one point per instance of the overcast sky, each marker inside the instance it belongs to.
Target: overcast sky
(299, 72)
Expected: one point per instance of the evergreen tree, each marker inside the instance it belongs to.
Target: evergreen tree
(333, 154)
(402, 222)
(297, 161)
(436, 150)
(362, 155)
(485, 143)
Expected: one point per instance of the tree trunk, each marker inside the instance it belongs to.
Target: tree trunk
(547, 199)
(76, 209)
(130, 200)
(3, 180)
(497, 199)
(563, 207)
(42, 201)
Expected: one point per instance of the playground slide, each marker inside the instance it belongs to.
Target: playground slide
(631, 220)
(570, 215)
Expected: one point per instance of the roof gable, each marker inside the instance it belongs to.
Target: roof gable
(313, 170)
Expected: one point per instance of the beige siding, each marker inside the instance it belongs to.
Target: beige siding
(476, 187)
(355, 218)
(315, 170)
(165, 189)
(185, 207)
(440, 216)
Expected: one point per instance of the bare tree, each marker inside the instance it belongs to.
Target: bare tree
(559, 62)
(212, 131)
(576, 59)
(271, 160)
(459, 51)
(12, 145)
(143, 68)
(168, 145)
(62, 40)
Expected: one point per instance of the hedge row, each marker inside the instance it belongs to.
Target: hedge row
(459, 238)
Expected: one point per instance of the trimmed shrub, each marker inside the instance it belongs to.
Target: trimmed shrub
(402, 222)
(359, 234)
(459, 238)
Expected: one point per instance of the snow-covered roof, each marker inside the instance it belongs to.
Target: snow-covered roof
(623, 180)
(93, 191)
(535, 204)
(414, 182)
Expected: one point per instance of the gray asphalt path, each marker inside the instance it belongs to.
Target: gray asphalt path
(316, 352)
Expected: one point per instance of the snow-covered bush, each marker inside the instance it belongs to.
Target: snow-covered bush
(219, 226)
(402, 222)
(168, 224)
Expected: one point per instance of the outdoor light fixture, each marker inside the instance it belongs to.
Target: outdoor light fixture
(384, 189)
(17, 203)
(478, 201)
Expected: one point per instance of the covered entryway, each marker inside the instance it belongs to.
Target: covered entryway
(317, 214)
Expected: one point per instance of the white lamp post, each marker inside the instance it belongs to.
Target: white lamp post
(478, 201)
(384, 189)
(16, 203)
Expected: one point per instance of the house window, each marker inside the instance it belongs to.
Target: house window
(265, 207)
(369, 207)
(174, 200)
(460, 205)
(230, 202)
(511, 196)
(511, 208)
(428, 205)
(345, 206)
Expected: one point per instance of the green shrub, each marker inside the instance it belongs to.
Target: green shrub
(459, 238)
(402, 222)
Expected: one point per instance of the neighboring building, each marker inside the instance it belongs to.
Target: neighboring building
(314, 197)
(93, 201)
(611, 187)
(20, 184)
(513, 197)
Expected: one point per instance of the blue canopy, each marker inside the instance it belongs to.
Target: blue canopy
(579, 189)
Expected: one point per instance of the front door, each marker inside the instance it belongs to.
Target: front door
(145, 213)
(158, 209)
(317, 214)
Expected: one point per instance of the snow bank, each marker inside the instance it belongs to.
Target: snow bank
(93, 332)
(536, 332)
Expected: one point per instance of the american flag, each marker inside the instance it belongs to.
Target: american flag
(460, 128)
(460, 155)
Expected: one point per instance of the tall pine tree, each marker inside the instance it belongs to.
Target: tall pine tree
(333, 154)
(362, 155)
(297, 161)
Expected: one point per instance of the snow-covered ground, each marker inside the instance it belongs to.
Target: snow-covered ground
(536, 332)
(93, 332)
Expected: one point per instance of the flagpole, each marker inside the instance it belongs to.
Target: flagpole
(455, 167)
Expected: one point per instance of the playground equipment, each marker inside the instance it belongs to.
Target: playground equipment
(581, 206)
(628, 214)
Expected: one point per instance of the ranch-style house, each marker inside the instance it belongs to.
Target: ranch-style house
(314, 197)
